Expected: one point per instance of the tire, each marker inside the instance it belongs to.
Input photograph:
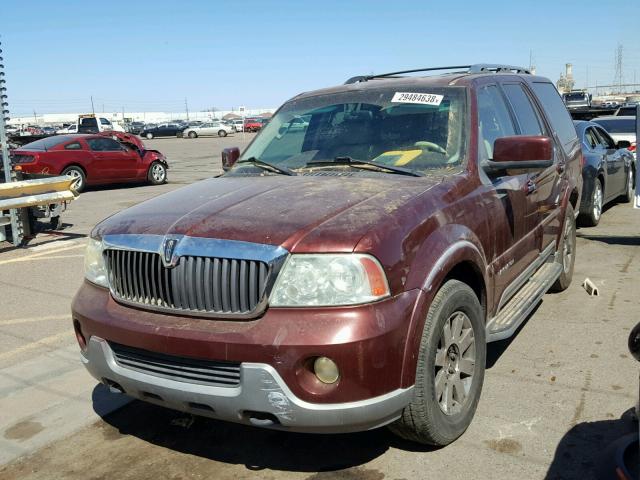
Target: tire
(426, 420)
(629, 193)
(79, 175)
(149, 136)
(592, 217)
(567, 251)
(192, 135)
(157, 173)
(54, 223)
(222, 133)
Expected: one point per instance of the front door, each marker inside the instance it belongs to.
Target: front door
(113, 160)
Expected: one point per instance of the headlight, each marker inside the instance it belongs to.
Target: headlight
(94, 267)
(328, 280)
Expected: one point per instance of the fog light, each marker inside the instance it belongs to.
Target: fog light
(326, 370)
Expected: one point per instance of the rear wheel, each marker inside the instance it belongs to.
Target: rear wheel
(222, 133)
(450, 369)
(567, 252)
(78, 174)
(157, 173)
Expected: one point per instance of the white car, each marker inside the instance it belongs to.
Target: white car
(73, 128)
(238, 125)
(11, 129)
(209, 128)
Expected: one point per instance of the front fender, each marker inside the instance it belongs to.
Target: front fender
(439, 254)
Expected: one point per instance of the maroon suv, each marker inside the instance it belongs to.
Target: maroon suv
(347, 275)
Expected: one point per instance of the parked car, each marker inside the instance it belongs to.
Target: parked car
(136, 127)
(238, 125)
(73, 128)
(111, 157)
(162, 130)
(620, 128)
(577, 99)
(608, 171)
(208, 129)
(48, 131)
(626, 110)
(254, 124)
(349, 276)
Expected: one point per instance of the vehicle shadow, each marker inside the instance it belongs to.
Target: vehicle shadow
(631, 241)
(255, 448)
(584, 452)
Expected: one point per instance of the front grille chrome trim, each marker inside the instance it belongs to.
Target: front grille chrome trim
(162, 286)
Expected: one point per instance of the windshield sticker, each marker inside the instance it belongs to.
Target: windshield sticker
(420, 98)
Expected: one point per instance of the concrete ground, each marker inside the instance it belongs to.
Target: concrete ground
(554, 397)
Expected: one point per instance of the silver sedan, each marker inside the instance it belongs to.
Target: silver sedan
(209, 128)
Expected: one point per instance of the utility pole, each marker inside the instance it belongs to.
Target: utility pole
(587, 82)
(619, 77)
(186, 107)
(35, 117)
(93, 110)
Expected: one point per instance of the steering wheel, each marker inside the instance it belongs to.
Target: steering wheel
(431, 147)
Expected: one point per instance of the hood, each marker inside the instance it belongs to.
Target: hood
(302, 214)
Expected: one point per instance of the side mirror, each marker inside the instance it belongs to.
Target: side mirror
(623, 144)
(521, 152)
(230, 157)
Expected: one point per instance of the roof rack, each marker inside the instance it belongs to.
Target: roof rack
(476, 68)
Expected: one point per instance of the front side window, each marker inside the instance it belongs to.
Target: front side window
(525, 114)
(494, 120)
(104, 145)
(557, 113)
(605, 140)
(104, 121)
(419, 130)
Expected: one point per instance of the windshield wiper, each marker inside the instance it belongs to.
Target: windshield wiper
(268, 166)
(355, 163)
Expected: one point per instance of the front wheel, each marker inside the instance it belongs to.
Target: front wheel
(193, 135)
(157, 173)
(149, 136)
(567, 252)
(450, 369)
(592, 217)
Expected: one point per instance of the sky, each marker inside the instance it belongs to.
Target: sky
(152, 55)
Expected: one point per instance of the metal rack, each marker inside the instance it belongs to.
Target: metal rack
(468, 69)
(13, 218)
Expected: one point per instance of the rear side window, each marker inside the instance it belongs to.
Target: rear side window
(524, 112)
(73, 146)
(494, 120)
(558, 115)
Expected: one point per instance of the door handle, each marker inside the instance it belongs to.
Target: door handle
(560, 168)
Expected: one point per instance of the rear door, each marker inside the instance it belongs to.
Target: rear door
(113, 161)
(616, 175)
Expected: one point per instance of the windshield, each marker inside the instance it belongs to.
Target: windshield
(420, 130)
(622, 125)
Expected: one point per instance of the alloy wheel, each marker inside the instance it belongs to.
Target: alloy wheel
(76, 175)
(158, 173)
(597, 201)
(455, 363)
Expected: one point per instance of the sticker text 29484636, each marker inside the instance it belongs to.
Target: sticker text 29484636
(421, 98)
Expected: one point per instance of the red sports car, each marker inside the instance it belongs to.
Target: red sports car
(107, 157)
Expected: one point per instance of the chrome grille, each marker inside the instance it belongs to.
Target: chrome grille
(181, 369)
(196, 285)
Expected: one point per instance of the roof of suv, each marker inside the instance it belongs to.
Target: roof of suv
(464, 77)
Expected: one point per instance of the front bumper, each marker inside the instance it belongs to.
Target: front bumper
(262, 398)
